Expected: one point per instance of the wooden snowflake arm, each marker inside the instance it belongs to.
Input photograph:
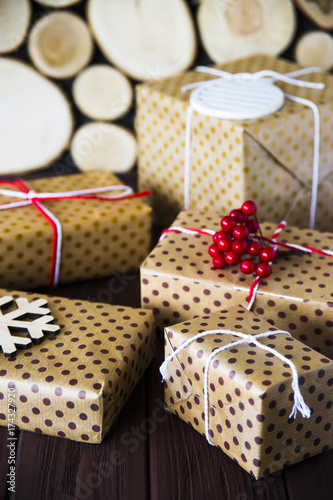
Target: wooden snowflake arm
(39, 326)
(4, 301)
(35, 328)
(7, 343)
(25, 307)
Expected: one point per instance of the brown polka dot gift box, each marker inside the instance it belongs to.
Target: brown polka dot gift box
(209, 140)
(75, 382)
(253, 390)
(179, 279)
(70, 228)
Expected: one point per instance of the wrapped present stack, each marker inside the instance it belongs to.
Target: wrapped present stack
(245, 298)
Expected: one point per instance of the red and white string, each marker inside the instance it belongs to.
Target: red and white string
(272, 241)
(30, 197)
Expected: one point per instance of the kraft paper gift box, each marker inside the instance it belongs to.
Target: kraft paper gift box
(250, 396)
(99, 237)
(179, 281)
(74, 383)
(269, 160)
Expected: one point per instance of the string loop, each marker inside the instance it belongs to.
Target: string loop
(299, 403)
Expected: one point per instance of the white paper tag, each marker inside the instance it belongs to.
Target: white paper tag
(237, 100)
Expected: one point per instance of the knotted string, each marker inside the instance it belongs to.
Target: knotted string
(30, 197)
(272, 77)
(299, 403)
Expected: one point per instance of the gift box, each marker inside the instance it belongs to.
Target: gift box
(99, 236)
(179, 281)
(269, 159)
(249, 395)
(75, 382)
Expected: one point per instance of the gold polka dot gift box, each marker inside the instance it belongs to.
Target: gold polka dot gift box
(179, 281)
(254, 391)
(70, 228)
(75, 382)
(269, 159)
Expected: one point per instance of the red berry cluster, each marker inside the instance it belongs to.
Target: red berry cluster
(234, 241)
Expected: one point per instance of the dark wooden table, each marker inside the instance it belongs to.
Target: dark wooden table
(149, 454)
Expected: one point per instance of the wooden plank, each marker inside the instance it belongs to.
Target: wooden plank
(184, 465)
(311, 479)
(4, 466)
(49, 467)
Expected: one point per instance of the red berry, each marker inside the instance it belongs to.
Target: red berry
(228, 223)
(249, 207)
(268, 254)
(252, 226)
(248, 266)
(240, 246)
(219, 262)
(238, 215)
(213, 250)
(232, 258)
(240, 232)
(224, 244)
(254, 248)
(263, 270)
(218, 235)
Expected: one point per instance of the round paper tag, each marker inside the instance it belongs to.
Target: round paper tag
(237, 100)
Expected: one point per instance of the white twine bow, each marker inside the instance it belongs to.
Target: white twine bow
(299, 403)
(270, 77)
(31, 197)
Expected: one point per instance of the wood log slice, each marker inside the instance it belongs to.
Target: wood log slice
(319, 11)
(104, 146)
(14, 23)
(240, 28)
(60, 45)
(146, 39)
(58, 4)
(102, 92)
(315, 49)
(35, 120)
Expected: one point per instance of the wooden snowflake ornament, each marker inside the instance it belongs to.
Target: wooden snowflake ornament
(17, 320)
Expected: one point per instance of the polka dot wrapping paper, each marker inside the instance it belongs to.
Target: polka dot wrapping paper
(268, 160)
(75, 383)
(250, 393)
(99, 237)
(179, 281)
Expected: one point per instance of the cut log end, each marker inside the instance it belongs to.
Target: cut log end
(102, 93)
(146, 39)
(239, 28)
(319, 11)
(104, 146)
(60, 45)
(315, 49)
(58, 4)
(14, 23)
(36, 133)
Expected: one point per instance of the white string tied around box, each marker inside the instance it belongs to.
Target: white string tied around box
(257, 98)
(299, 403)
